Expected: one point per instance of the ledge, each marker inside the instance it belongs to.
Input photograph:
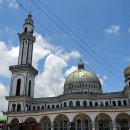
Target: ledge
(24, 67)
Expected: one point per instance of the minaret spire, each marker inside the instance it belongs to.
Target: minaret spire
(27, 40)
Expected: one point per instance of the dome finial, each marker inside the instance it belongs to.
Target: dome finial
(81, 64)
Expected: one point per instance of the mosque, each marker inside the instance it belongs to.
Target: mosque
(82, 106)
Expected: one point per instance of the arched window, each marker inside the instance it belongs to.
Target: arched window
(61, 105)
(18, 107)
(53, 106)
(106, 103)
(65, 104)
(38, 107)
(77, 103)
(18, 87)
(32, 31)
(114, 103)
(90, 103)
(25, 29)
(42, 107)
(29, 108)
(101, 103)
(119, 103)
(70, 104)
(13, 107)
(57, 106)
(124, 103)
(85, 123)
(29, 89)
(78, 123)
(84, 103)
(96, 103)
(48, 107)
(34, 108)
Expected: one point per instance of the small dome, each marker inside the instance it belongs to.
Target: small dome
(82, 80)
(127, 71)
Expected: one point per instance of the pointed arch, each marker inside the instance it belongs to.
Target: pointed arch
(104, 121)
(19, 107)
(18, 87)
(82, 121)
(123, 120)
(60, 122)
(29, 89)
(45, 123)
(70, 104)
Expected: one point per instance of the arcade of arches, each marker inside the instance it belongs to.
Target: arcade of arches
(80, 122)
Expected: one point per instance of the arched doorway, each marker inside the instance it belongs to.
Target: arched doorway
(103, 122)
(14, 124)
(61, 122)
(82, 122)
(45, 123)
(123, 120)
(30, 124)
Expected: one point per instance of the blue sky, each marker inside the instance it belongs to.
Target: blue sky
(103, 25)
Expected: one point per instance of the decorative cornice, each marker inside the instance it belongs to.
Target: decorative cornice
(23, 68)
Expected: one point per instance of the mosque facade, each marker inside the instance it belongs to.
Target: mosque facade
(82, 106)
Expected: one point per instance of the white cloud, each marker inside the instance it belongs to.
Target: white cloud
(3, 93)
(50, 80)
(8, 57)
(66, 56)
(13, 4)
(114, 29)
(70, 70)
(102, 78)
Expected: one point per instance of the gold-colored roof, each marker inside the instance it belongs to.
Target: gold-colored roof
(82, 76)
(127, 71)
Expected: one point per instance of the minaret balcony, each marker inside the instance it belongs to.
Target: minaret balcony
(27, 35)
(24, 68)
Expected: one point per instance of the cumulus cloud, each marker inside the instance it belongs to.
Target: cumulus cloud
(113, 29)
(102, 78)
(13, 4)
(9, 56)
(50, 80)
(70, 70)
(3, 93)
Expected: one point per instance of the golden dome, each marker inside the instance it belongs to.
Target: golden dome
(127, 71)
(82, 76)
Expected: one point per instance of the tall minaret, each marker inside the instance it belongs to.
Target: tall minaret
(23, 74)
(26, 42)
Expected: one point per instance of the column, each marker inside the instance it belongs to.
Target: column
(71, 126)
(52, 126)
(93, 125)
(114, 126)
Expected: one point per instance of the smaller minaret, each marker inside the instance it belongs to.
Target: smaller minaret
(127, 76)
(26, 41)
